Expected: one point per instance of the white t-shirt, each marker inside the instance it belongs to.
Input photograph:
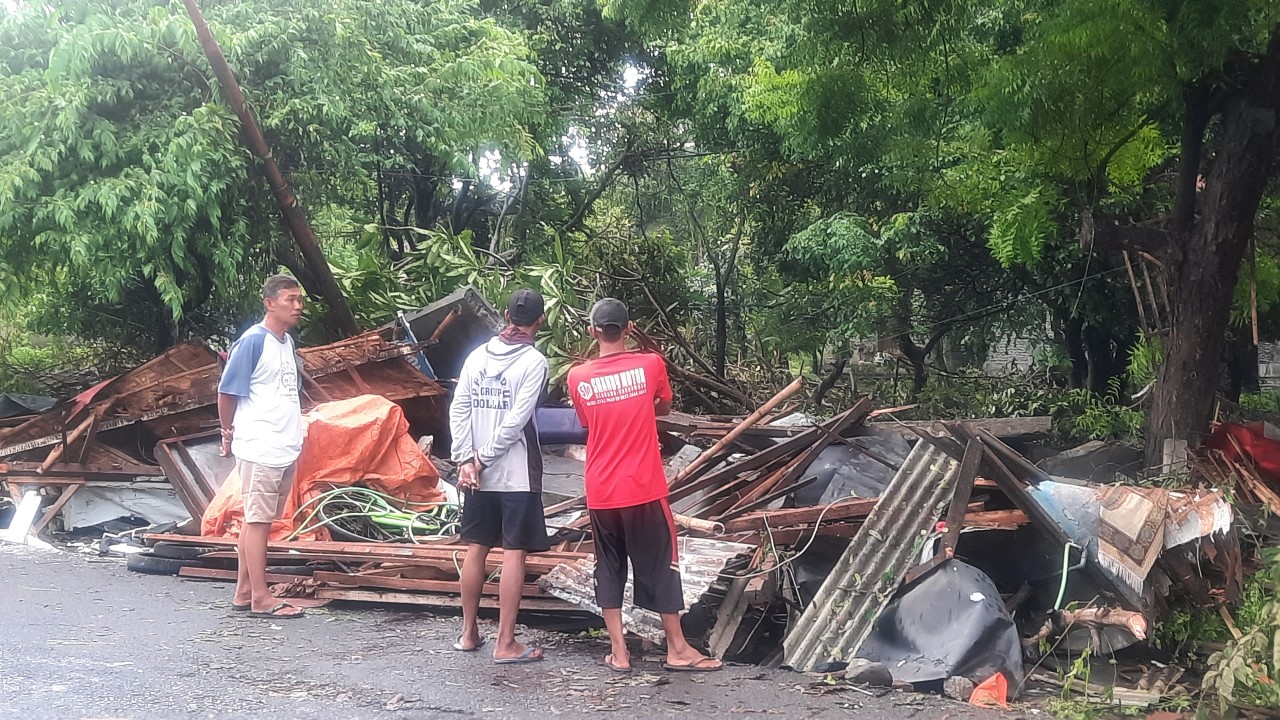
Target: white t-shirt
(261, 371)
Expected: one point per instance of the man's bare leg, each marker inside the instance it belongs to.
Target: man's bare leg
(679, 651)
(619, 656)
(243, 596)
(510, 588)
(473, 577)
(253, 561)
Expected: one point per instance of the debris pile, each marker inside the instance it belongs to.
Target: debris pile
(932, 554)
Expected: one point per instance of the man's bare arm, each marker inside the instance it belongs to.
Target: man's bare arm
(226, 414)
(661, 407)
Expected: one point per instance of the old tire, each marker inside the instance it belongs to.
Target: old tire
(174, 551)
(150, 564)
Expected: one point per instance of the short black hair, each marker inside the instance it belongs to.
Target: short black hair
(276, 283)
(610, 333)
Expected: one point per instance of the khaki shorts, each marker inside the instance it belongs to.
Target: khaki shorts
(265, 490)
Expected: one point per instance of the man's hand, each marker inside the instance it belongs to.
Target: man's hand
(469, 476)
(225, 451)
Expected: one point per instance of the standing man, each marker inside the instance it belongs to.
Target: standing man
(495, 444)
(618, 397)
(261, 423)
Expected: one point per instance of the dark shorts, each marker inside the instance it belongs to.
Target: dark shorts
(645, 535)
(507, 520)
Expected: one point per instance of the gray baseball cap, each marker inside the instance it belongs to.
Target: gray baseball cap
(609, 311)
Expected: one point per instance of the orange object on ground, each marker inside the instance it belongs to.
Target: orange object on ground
(364, 440)
(992, 693)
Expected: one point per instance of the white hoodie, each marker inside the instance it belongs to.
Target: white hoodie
(491, 416)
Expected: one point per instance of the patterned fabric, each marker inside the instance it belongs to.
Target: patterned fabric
(1131, 534)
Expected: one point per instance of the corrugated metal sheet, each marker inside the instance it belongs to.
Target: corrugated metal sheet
(841, 616)
(701, 562)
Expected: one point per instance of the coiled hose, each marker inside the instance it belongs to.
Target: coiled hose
(361, 514)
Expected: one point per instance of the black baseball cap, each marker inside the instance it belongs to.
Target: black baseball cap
(609, 311)
(525, 307)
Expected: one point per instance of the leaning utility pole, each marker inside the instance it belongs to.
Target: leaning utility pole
(312, 254)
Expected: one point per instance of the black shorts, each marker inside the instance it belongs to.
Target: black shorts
(507, 520)
(645, 535)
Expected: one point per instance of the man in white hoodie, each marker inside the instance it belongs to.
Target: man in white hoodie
(495, 445)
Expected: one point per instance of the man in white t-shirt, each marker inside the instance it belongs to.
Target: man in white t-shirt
(261, 421)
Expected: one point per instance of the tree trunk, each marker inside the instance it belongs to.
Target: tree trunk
(1204, 274)
(1101, 355)
(722, 324)
(833, 377)
(1073, 332)
(1241, 364)
(342, 320)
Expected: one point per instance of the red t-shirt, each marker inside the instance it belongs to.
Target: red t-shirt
(614, 396)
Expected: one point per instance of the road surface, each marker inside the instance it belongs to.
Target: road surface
(84, 638)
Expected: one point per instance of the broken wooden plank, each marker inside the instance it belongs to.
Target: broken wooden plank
(411, 584)
(732, 435)
(843, 510)
(1016, 427)
(85, 471)
(545, 604)
(203, 573)
(55, 508)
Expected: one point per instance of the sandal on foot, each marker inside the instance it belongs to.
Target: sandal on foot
(240, 608)
(531, 654)
(457, 645)
(608, 662)
(276, 614)
(699, 665)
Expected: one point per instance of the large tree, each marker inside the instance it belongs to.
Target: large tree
(123, 182)
(1137, 125)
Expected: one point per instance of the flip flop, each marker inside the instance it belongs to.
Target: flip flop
(275, 614)
(457, 645)
(693, 667)
(608, 662)
(527, 656)
(240, 608)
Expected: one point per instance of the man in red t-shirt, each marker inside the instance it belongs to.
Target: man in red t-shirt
(618, 397)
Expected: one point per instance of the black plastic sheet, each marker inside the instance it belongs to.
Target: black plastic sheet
(952, 622)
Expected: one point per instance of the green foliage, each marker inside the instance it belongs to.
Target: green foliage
(1102, 417)
(444, 262)
(1144, 361)
(123, 181)
(1263, 405)
(1245, 671)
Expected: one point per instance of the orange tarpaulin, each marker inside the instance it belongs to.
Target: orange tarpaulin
(364, 440)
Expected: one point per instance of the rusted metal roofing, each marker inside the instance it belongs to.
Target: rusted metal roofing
(842, 614)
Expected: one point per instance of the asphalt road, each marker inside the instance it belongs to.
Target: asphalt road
(81, 637)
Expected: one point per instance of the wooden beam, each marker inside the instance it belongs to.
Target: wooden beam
(843, 510)
(728, 617)
(82, 470)
(438, 600)
(60, 448)
(733, 434)
(403, 583)
(999, 427)
(55, 508)
(203, 573)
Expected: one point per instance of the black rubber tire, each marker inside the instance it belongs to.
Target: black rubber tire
(145, 562)
(174, 551)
